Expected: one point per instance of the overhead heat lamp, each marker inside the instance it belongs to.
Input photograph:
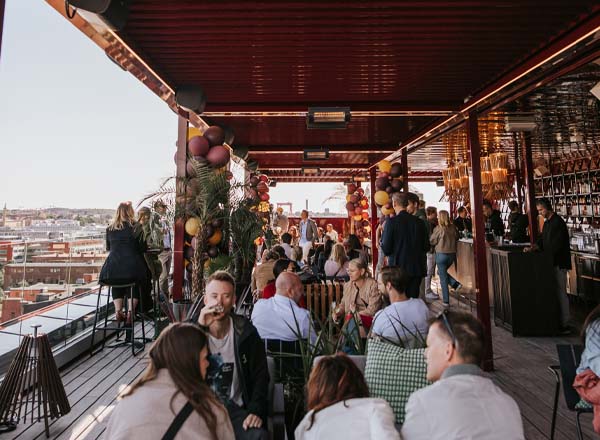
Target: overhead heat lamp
(327, 117)
(110, 13)
(316, 154)
(310, 171)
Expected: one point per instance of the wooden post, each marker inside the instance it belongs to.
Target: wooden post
(405, 169)
(374, 219)
(178, 269)
(532, 214)
(479, 244)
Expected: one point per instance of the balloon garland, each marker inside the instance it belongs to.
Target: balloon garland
(389, 181)
(357, 205)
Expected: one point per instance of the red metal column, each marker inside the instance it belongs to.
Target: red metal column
(529, 188)
(479, 244)
(405, 169)
(374, 219)
(178, 269)
(2, 7)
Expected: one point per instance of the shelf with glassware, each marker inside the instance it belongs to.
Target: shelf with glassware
(574, 195)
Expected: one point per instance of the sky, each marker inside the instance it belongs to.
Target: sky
(78, 132)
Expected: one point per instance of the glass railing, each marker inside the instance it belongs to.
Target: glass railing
(46, 286)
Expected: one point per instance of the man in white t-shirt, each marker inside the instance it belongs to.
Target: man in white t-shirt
(280, 317)
(237, 371)
(286, 244)
(473, 407)
(405, 319)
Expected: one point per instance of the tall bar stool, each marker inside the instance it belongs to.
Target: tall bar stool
(139, 341)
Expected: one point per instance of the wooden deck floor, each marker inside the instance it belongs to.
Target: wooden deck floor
(93, 383)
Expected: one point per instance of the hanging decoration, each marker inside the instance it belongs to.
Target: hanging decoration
(388, 182)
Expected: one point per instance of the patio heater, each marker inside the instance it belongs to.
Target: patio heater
(32, 387)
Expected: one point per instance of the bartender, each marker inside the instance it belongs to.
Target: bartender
(494, 226)
(518, 223)
(555, 242)
(462, 222)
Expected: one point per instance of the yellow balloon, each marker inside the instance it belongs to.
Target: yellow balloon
(348, 198)
(386, 211)
(193, 131)
(358, 217)
(385, 166)
(192, 226)
(381, 197)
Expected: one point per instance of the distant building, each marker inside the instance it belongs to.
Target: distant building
(49, 273)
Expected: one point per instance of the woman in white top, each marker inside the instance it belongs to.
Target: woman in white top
(174, 377)
(338, 262)
(340, 407)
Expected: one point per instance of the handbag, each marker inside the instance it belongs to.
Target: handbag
(178, 421)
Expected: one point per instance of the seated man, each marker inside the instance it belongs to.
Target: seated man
(405, 319)
(237, 369)
(466, 403)
(280, 317)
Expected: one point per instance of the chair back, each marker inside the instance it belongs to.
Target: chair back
(286, 357)
(569, 357)
(319, 297)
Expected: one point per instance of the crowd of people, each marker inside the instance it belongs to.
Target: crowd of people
(210, 379)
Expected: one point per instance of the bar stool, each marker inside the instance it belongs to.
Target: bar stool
(119, 328)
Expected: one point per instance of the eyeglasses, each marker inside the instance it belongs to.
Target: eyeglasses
(444, 318)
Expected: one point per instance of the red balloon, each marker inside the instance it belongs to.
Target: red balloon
(360, 192)
(218, 156)
(198, 146)
(263, 178)
(351, 188)
(354, 198)
(350, 207)
(365, 215)
(381, 183)
(365, 206)
(262, 187)
(214, 135)
(264, 197)
(358, 210)
(384, 174)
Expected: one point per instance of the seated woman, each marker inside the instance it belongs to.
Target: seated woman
(280, 266)
(355, 248)
(340, 407)
(324, 256)
(125, 262)
(337, 265)
(263, 273)
(173, 383)
(587, 381)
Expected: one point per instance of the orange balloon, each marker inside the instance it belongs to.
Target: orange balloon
(357, 217)
(365, 215)
(215, 239)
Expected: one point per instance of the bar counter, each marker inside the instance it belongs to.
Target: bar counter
(521, 287)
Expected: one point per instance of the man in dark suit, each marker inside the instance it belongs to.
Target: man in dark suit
(405, 241)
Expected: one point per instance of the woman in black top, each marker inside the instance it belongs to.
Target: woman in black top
(125, 262)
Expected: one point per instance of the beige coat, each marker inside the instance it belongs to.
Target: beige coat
(263, 274)
(367, 299)
(444, 239)
(147, 414)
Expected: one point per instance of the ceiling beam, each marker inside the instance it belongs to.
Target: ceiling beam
(336, 149)
(313, 164)
(300, 109)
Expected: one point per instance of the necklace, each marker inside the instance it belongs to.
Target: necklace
(219, 344)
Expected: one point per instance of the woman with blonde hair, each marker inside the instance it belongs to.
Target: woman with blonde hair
(444, 238)
(125, 262)
(172, 396)
(337, 264)
(361, 295)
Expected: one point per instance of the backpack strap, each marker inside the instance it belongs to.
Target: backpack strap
(178, 422)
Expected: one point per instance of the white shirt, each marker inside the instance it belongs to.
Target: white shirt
(303, 231)
(402, 320)
(333, 235)
(364, 419)
(462, 407)
(288, 250)
(222, 374)
(280, 318)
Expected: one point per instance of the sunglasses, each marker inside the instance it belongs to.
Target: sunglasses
(444, 318)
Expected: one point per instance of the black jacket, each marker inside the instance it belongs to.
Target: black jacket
(125, 262)
(555, 241)
(518, 223)
(463, 223)
(251, 360)
(494, 224)
(405, 242)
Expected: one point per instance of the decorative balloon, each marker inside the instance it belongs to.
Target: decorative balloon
(198, 146)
